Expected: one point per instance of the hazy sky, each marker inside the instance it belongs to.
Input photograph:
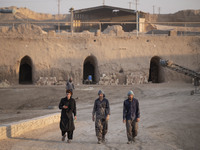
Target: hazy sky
(51, 6)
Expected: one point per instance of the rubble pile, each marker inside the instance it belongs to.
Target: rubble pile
(130, 79)
(24, 29)
(28, 29)
(4, 83)
(114, 29)
(136, 78)
(109, 79)
(47, 81)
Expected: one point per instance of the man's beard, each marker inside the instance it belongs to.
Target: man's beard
(101, 98)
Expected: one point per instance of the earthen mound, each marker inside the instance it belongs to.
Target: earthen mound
(116, 29)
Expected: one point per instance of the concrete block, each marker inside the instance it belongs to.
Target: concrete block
(51, 33)
(17, 128)
(173, 33)
(3, 132)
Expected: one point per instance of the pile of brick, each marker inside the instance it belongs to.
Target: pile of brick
(136, 78)
(4, 83)
(47, 81)
(109, 79)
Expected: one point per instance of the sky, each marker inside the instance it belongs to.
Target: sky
(51, 6)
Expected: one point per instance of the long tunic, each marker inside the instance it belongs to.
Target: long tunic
(70, 86)
(66, 120)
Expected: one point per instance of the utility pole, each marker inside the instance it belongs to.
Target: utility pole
(72, 20)
(103, 2)
(153, 9)
(136, 3)
(130, 3)
(158, 10)
(58, 15)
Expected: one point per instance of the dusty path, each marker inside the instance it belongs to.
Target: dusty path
(169, 121)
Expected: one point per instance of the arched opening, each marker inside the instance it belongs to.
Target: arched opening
(156, 71)
(25, 71)
(90, 68)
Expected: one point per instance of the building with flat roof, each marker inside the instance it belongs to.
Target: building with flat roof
(101, 17)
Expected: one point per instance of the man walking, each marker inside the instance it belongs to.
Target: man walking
(102, 111)
(68, 106)
(70, 85)
(131, 116)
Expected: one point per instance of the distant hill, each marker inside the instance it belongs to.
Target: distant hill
(27, 14)
(188, 13)
(180, 16)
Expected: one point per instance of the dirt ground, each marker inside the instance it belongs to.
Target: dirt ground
(169, 117)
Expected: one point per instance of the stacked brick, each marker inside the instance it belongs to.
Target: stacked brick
(132, 78)
(136, 78)
(109, 79)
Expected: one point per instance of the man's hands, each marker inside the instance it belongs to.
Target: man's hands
(92, 118)
(65, 107)
(137, 120)
(107, 118)
(75, 117)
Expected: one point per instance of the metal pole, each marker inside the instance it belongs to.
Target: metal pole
(136, 16)
(100, 27)
(58, 15)
(72, 20)
(153, 9)
(158, 10)
(130, 3)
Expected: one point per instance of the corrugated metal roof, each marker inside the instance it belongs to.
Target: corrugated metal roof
(102, 9)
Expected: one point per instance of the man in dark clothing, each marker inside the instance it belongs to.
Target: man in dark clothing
(70, 85)
(131, 116)
(102, 111)
(68, 106)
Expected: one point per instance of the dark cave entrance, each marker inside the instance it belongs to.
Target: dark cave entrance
(25, 71)
(90, 67)
(156, 71)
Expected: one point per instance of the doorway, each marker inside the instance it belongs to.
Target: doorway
(156, 71)
(90, 68)
(25, 71)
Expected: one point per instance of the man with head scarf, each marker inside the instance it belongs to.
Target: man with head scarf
(131, 116)
(70, 85)
(68, 107)
(102, 111)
